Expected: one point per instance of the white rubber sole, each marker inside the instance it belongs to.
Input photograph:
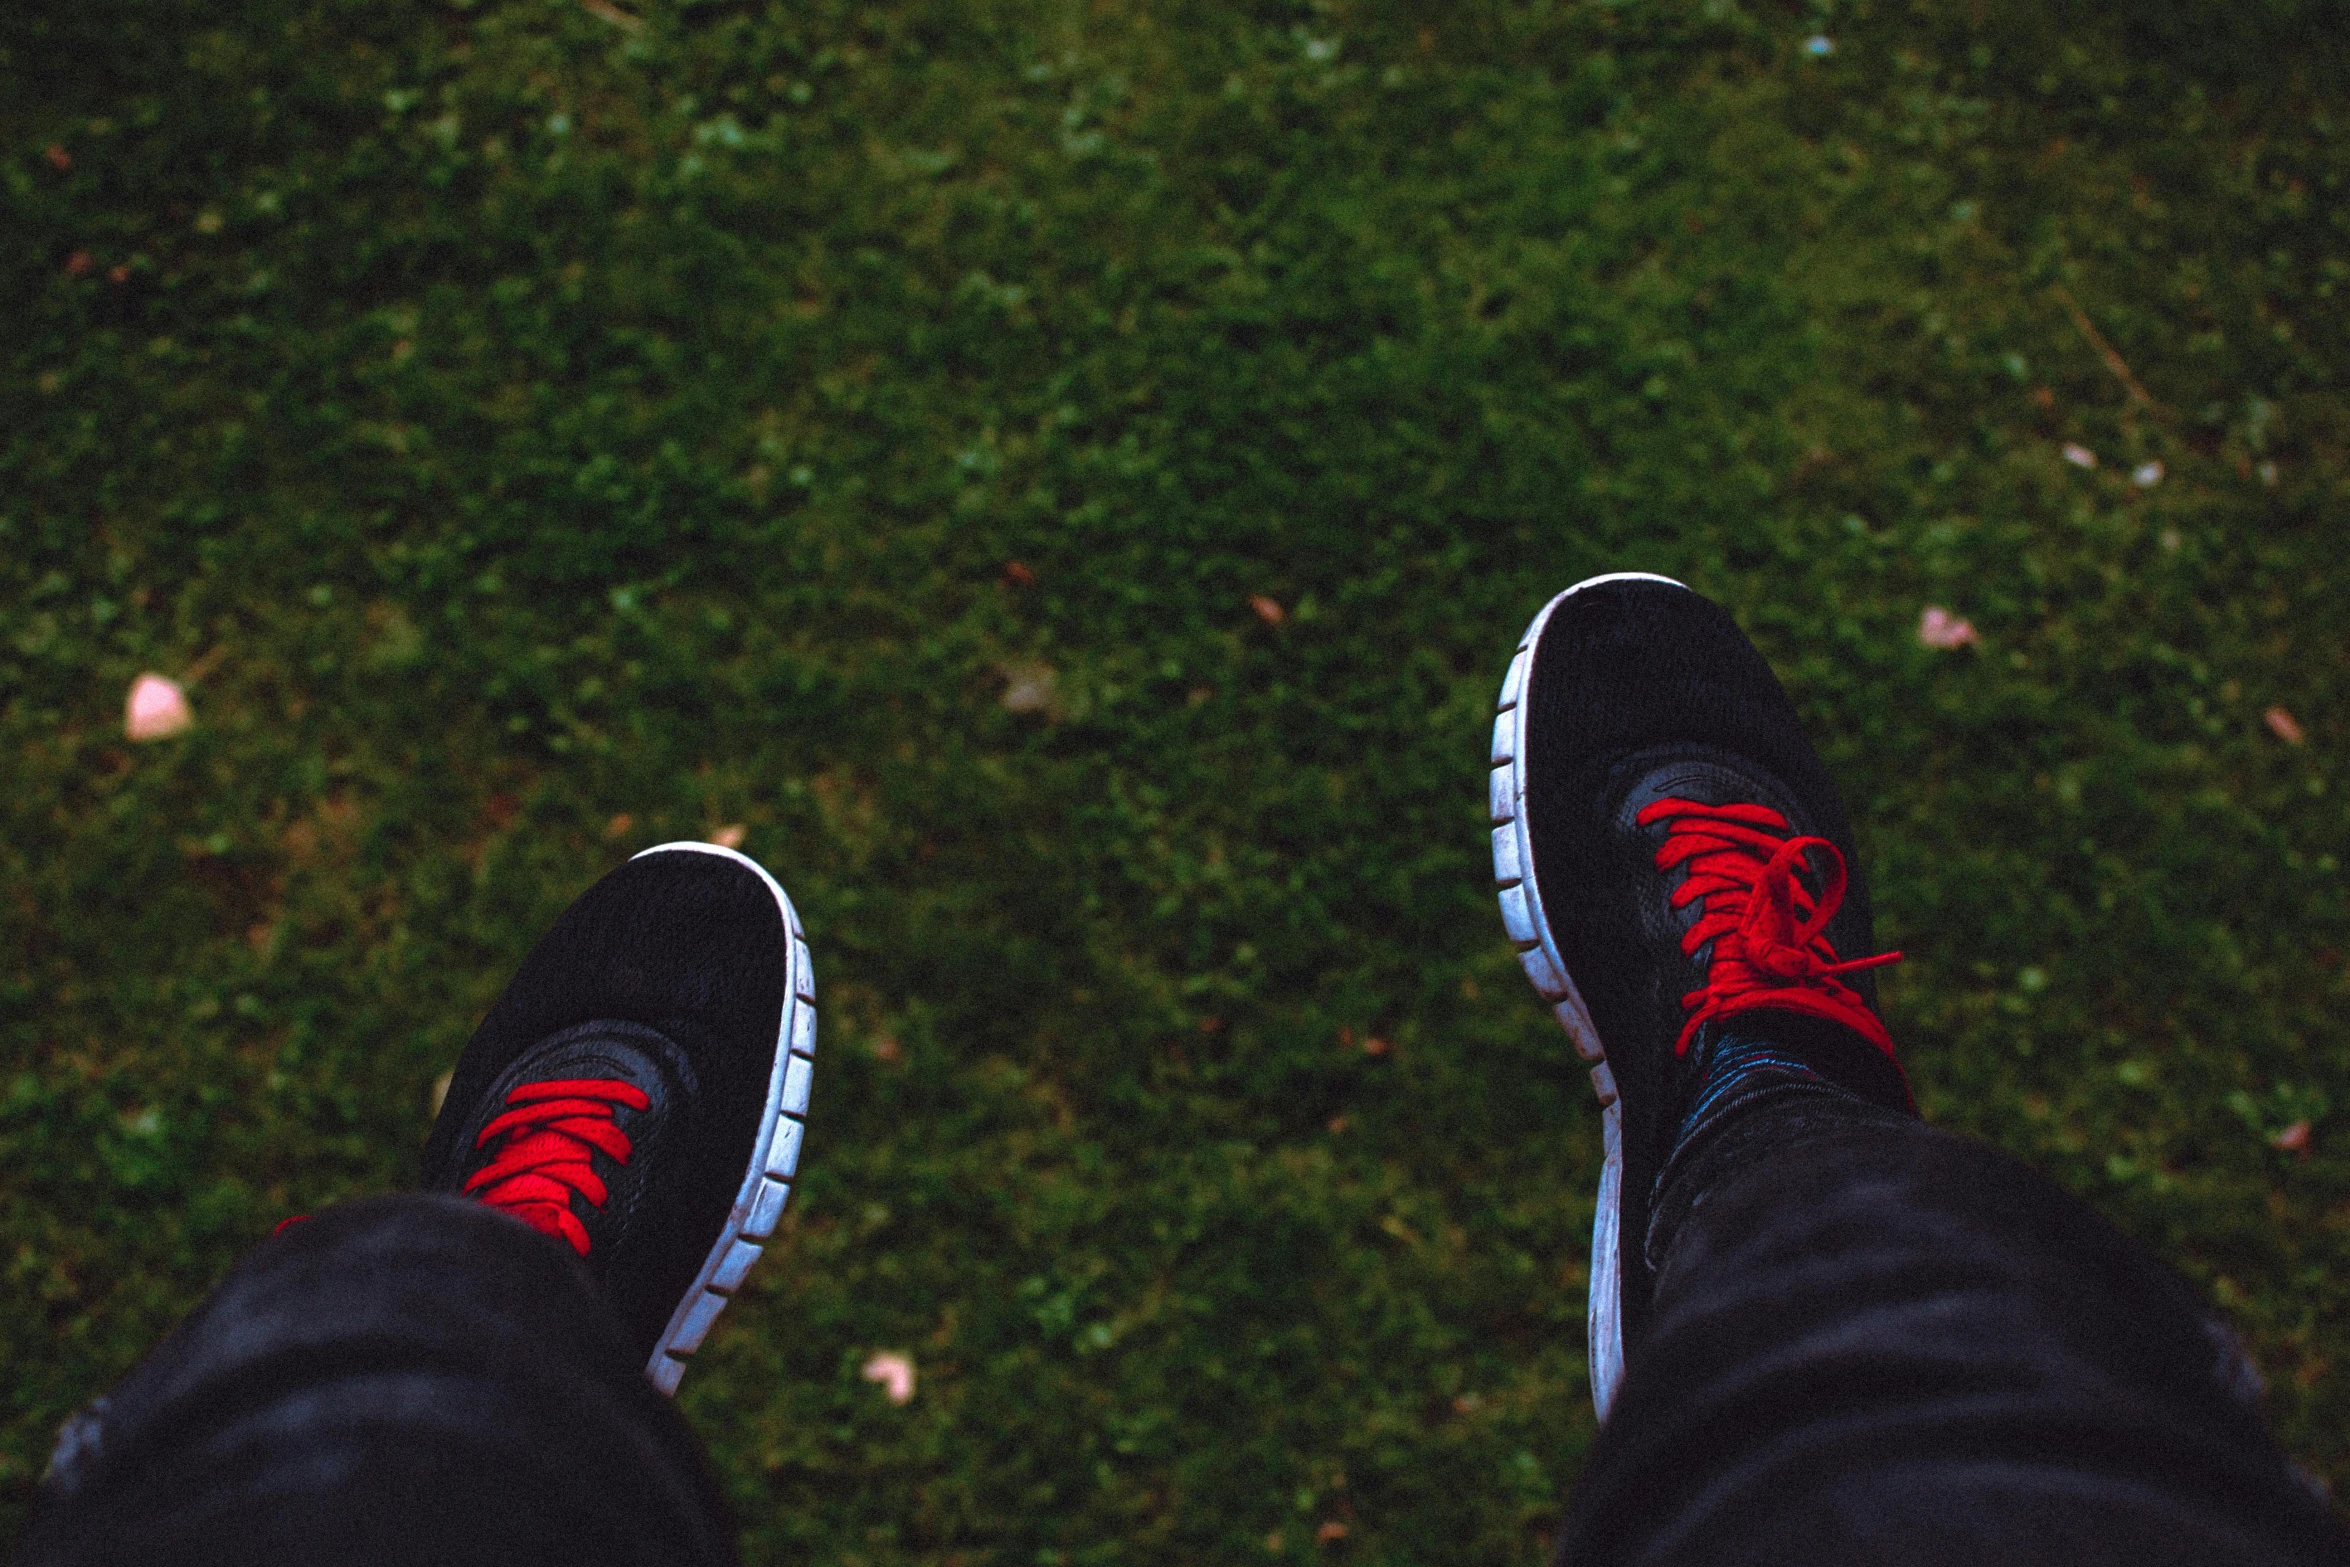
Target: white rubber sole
(1538, 955)
(767, 1183)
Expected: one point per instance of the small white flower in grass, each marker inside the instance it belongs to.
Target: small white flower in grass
(156, 709)
(2078, 455)
(895, 1372)
(1938, 628)
(2146, 475)
(1029, 688)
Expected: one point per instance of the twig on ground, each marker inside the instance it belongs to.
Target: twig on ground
(2105, 350)
(204, 665)
(613, 14)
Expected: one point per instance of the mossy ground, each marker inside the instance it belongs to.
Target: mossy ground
(535, 431)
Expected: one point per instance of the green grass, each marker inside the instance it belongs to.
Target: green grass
(536, 432)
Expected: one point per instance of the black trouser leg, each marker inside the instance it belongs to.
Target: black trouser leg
(401, 1380)
(1874, 1342)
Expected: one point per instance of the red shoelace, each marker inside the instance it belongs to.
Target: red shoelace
(551, 1130)
(1764, 923)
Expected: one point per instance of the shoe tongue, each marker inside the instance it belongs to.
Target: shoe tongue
(606, 1048)
(1705, 775)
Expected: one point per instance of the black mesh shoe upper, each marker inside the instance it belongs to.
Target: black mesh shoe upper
(671, 976)
(1640, 691)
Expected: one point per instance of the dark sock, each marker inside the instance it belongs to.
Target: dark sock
(1766, 1058)
(1738, 1067)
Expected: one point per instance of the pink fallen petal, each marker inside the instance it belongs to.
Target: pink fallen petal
(2079, 456)
(2293, 1139)
(156, 709)
(730, 836)
(895, 1372)
(1268, 610)
(2283, 725)
(1938, 628)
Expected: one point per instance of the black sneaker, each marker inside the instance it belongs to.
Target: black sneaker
(1671, 854)
(640, 1088)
